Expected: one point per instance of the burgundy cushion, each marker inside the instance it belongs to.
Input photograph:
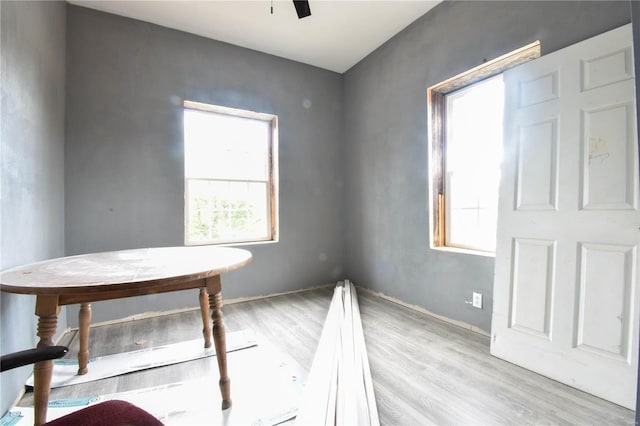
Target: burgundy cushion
(108, 413)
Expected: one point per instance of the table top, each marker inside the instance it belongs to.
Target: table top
(122, 270)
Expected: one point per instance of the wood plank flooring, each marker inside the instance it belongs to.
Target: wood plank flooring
(425, 371)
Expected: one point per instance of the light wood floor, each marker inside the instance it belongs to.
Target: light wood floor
(425, 371)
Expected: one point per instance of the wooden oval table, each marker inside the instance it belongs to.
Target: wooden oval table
(112, 275)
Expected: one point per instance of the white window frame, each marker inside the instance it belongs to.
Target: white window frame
(436, 110)
(272, 182)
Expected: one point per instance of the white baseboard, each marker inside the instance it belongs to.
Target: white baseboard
(153, 314)
(248, 299)
(416, 308)
(424, 311)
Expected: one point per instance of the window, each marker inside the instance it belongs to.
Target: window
(472, 155)
(230, 175)
(465, 116)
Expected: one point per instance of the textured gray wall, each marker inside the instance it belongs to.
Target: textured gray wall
(386, 141)
(635, 15)
(124, 155)
(32, 79)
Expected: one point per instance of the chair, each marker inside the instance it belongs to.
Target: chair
(107, 413)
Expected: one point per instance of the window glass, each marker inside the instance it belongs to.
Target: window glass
(224, 146)
(473, 153)
(229, 176)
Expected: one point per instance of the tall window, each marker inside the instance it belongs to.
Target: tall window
(465, 114)
(230, 175)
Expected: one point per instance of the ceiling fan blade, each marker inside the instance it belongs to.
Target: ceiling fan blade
(302, 8)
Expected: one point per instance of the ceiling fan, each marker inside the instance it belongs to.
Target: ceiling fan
(302, 8)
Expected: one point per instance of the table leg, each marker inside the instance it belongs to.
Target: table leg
(214, 288)
(47, 310)
(84, 322)
(204, 312)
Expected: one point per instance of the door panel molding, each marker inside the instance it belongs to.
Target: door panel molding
(566, 273)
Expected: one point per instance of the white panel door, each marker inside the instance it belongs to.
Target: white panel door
(566, 293)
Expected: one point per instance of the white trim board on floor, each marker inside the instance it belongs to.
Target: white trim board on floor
(255, 372)
(102, 367)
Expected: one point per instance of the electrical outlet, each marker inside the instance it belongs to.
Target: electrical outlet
(477, 300)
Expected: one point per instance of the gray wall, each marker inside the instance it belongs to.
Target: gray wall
(124, 184)
(635, 15)
(386, 141)
(32, 78)
(124, 154)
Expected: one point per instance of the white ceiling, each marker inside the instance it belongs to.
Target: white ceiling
(337, 35)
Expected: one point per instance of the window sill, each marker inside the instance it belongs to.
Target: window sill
(234, 244)
(464, 251)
